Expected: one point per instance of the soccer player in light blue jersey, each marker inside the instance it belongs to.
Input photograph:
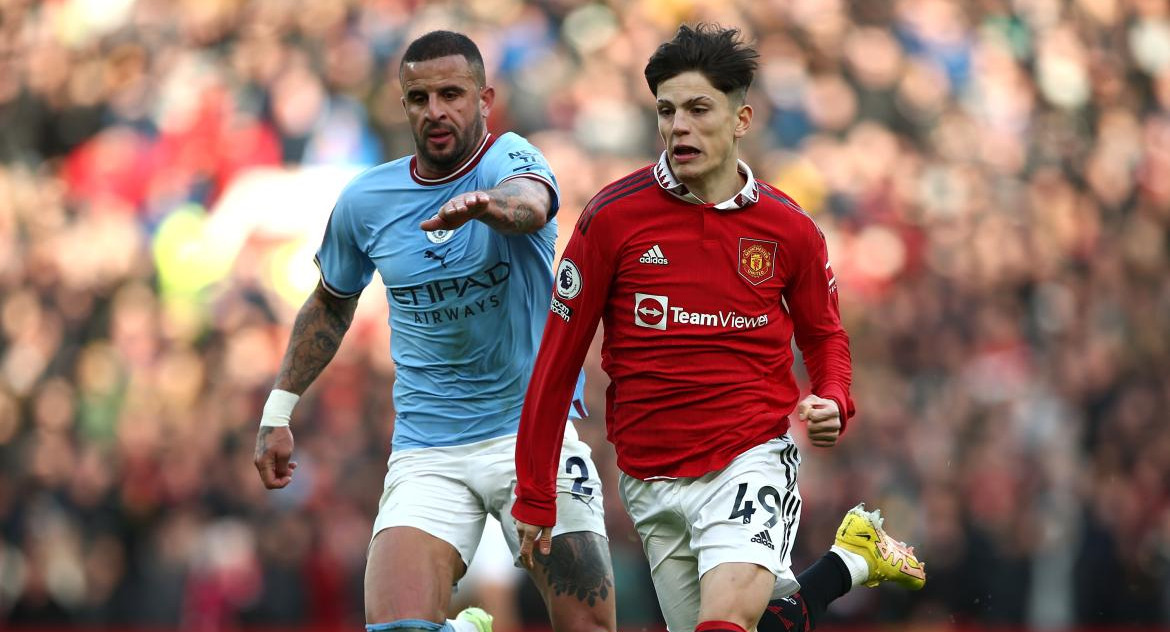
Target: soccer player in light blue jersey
(462, 234)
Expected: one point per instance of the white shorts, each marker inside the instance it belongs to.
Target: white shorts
(747, 512)
(494, 562)
(449, 492)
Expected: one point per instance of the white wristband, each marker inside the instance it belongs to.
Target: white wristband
(278, 409)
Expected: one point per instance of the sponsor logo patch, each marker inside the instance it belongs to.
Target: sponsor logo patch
(560, 309)
(757, 260)
(568, 280)
(650, 310)
(653, 311)
(474, 285)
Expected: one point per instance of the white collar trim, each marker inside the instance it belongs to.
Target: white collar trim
(748, 195)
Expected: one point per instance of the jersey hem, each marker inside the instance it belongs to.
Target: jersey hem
(684, 470)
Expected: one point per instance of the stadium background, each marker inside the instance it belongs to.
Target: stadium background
(993, 177)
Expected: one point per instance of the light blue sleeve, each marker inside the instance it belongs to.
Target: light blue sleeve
(578, 410)
(345, 267)
(514, 157)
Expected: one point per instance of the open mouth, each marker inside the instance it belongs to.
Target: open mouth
(684, 153)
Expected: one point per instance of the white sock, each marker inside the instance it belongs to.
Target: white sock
(462, 626)
(858, 569)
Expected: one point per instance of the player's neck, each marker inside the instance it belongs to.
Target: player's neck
(719, 185)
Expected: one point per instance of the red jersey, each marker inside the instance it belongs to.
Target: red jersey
(700, 303)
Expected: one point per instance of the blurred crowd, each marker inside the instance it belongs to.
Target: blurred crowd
(993, 177)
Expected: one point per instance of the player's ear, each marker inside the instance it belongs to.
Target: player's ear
(487, 97)
(743, 120)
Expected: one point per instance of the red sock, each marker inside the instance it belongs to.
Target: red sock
(718, 626)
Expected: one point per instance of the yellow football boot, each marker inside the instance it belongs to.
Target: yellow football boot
(481, 619)
(889, 560)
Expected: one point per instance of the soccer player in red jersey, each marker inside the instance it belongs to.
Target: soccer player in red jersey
(703, 275)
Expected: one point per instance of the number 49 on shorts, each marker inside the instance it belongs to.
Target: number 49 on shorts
(747, 508)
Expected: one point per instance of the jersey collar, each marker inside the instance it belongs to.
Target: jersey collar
(748, 195)
(462, 169)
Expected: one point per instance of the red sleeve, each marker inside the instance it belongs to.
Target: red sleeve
(581, 288)
(816, 318)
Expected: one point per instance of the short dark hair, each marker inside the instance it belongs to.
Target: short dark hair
(438, 44)
(717, 52)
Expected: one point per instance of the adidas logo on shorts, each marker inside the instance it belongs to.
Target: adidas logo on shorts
(764, 538)
(654, 256)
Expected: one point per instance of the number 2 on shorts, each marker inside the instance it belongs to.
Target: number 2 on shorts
(746, 509)
(578, 483)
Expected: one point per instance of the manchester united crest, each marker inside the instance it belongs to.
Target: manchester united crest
(757, 260)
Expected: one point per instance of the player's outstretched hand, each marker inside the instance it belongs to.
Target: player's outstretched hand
(824, 420)
(530, 534)
(458, 211)
(274, 448)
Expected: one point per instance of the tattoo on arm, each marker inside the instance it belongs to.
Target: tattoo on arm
(316, 335)
(578, 566)
(518, 206)
(262, 441)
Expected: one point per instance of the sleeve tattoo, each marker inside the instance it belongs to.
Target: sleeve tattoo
(316, 335)
(518, 206)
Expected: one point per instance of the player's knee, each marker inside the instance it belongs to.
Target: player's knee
(406, 625)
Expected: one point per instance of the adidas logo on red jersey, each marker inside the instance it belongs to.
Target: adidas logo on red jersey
(654, 256)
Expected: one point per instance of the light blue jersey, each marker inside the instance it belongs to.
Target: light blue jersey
(467, 306)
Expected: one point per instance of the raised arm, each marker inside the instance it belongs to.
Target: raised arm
(515, 207)
(316, 335)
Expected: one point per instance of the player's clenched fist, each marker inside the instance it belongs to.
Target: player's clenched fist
(274, 448)
(824, 420)
(458, 211)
